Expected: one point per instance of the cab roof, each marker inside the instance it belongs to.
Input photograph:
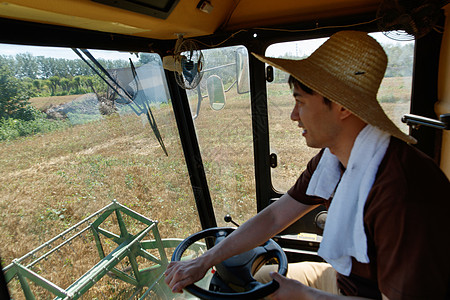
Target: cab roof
(165, 19)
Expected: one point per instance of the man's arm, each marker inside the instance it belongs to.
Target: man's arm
(270, 221)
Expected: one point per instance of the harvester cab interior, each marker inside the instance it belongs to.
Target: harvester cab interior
(134, 133)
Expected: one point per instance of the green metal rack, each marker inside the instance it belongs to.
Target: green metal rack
(129, 246)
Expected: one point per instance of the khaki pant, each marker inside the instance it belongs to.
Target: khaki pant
(318, 275)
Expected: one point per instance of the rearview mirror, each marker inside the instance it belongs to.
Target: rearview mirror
(216, 93)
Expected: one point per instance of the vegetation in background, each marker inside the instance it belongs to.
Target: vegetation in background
(47, 76)
(24, 76)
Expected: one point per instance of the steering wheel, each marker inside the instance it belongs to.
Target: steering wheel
(235, 273)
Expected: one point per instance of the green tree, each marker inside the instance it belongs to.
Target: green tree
(53, 84)
(13, 96)
(37, 84)
(45, 66)
(89, 81)
(65, 84)
(76, 84)
(26, 66)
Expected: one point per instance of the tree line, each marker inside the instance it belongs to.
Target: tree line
(24, 76)
(47, 76)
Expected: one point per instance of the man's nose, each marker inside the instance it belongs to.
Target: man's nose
(294, 114)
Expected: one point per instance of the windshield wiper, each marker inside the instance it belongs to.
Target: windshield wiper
(150, 117)
(123, 93)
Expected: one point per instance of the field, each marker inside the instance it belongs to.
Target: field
(45, 102)
(51, 181)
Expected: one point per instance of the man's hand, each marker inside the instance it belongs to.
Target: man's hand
(289, 288)
(180, 274)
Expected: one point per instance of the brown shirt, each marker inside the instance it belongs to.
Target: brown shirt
(406, 224)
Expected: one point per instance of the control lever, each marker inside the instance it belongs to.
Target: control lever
(228, 219)
(415, 121)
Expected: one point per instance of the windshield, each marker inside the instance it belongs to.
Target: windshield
(75, 138)
(224, 131)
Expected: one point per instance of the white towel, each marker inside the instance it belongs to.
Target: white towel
(344, 236)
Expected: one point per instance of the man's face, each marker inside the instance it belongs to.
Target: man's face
(318, 120)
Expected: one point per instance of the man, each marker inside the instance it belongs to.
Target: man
(386, 229)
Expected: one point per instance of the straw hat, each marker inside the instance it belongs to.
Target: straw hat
(347, 69)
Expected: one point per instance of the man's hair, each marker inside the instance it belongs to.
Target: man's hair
(293, 81)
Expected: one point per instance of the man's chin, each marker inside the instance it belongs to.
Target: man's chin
(312, 144)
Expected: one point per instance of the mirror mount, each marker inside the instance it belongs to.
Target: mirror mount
(242, 71)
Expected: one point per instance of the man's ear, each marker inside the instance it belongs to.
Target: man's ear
(344, 113)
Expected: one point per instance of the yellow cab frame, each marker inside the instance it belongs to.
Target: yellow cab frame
(153, 26)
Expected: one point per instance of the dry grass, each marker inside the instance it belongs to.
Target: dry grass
(51, 181)
(81, 170)
(44, 102)
(225, 139)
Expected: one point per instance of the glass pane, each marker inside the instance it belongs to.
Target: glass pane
(291, 149)
(71, 145)
(225, 137)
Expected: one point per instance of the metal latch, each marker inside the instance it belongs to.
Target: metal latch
(273, 160)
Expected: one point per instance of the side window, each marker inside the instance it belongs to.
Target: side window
(286, 140)
(220, 106)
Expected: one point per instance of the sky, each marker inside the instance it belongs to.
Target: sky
(55, 52)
